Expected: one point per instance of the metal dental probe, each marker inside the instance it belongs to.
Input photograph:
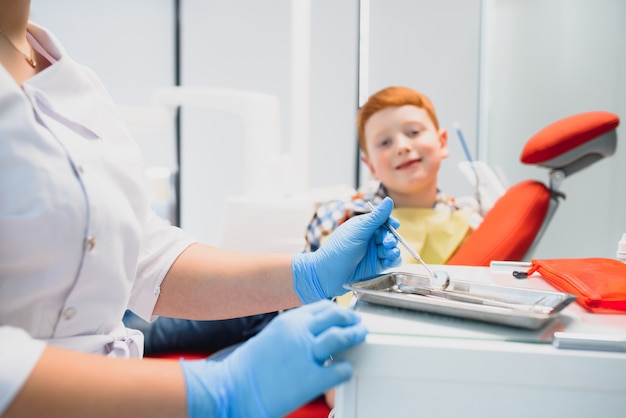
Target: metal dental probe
(441, 278)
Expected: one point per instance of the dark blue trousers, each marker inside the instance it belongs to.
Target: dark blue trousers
(169, 335)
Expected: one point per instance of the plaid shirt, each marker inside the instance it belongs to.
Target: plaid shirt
(332, 214)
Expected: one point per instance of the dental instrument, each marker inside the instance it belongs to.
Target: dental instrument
(472, 164)
(439, 278)
(468, 154)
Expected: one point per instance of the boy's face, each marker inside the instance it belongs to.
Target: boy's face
(404, 150)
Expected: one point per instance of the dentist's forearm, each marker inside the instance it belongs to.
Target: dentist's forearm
(70, 384)
(212, 283)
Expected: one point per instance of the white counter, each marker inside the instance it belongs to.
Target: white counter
(415, 364)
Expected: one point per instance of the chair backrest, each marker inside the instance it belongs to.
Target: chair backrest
(514, 226)
(509, 228)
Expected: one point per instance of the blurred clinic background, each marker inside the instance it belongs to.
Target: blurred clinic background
(245, 109)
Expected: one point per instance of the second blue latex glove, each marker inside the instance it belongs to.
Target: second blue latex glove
(279, 369)
(361, 247)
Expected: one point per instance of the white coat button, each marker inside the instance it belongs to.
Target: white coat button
(69, 313)
(81, 170)
(89, 243)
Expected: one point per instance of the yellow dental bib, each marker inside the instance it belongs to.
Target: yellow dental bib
(434, 233)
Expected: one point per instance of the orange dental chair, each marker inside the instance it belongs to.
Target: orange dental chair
(515, 224)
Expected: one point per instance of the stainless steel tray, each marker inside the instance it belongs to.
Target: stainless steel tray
(516, 307)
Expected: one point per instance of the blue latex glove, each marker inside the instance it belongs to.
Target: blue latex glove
(279, 369)
(360, 248)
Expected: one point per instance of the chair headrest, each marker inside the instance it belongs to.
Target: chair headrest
(574, 142)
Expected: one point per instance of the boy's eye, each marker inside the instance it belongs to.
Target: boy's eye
(384, 142)
(413, 133)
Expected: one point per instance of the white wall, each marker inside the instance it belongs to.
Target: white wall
(248, 44)
(549, 59)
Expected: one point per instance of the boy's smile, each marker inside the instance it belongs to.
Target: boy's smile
(412, 163)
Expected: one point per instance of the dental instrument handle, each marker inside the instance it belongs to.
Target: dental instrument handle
(406, 244)
(466, 150)
(410, 249)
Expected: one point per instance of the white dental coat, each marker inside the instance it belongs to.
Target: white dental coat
(78, 243)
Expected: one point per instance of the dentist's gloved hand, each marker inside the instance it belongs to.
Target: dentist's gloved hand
(361, 247)
(279, 369)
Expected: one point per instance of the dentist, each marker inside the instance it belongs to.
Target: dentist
(79, 245)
